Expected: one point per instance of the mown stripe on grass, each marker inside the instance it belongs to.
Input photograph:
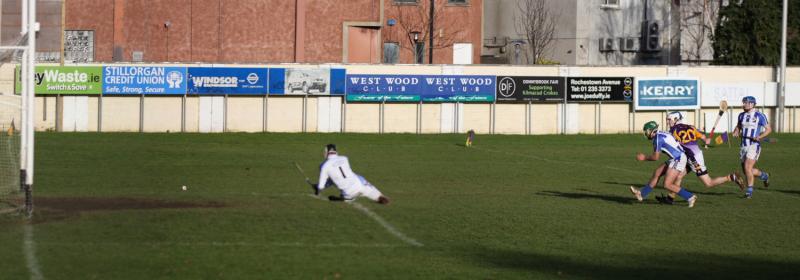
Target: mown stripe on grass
(221, 244)
(556, 160)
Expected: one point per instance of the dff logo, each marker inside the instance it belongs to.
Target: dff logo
(506, 86)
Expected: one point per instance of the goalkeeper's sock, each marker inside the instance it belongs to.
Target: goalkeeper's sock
(646, 190)
(685, 194)
(764, 176)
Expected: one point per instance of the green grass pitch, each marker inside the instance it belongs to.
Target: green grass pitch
(110, 206)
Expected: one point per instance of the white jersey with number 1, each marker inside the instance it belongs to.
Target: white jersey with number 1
(337, 169)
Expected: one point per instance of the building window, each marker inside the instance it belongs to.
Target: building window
(406, 1)
(610, 3)
(391, 53)
(457, 2)
(419, 53)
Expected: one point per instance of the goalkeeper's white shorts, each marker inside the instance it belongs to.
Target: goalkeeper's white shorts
(366, 190)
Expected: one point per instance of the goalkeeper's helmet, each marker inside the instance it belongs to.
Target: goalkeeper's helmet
(649, 128)
(749, 99)
(674, 118)
(329, 149)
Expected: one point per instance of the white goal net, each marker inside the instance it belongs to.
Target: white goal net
(11, 196)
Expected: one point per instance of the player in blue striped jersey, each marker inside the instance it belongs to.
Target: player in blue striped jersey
(752, 126)
(664, 142)
(688, 137)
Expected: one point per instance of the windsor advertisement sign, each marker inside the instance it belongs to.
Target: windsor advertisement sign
(64, 80)
(523, 89)
(236, 81)
(415, 88)
(667, 93)
(598, 89)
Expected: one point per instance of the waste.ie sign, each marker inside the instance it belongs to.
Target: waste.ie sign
(667, 93)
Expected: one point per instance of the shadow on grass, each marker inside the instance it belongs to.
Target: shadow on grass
(575, 195)
(644, 266)
(638, 185)
(697, 190)
(790, 192)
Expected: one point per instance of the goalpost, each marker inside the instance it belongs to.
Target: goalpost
(16, 118)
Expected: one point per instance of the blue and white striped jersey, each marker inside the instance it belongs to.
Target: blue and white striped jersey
(666, 143)
(751, 124)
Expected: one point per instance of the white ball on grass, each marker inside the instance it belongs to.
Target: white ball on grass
(183, 188)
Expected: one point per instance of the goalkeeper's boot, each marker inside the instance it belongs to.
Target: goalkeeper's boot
(736, 178)
(692, 200)
(636, 193)
(335, 198)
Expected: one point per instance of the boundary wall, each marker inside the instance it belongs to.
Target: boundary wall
(331, 113)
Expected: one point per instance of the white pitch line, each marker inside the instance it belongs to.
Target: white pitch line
(386, 224)
(380, 220)
(29, 247)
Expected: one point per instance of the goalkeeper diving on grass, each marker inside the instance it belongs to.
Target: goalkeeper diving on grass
(335, 170)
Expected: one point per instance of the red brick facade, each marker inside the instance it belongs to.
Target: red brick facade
(255, 31)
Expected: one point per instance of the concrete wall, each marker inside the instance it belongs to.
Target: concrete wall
(579, 25)
(297, 114)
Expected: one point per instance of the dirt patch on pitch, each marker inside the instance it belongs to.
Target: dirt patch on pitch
(58, 208)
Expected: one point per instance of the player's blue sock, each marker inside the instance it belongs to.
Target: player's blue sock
(685, 194)
(749, 191)
(764, 176)
(646, 190)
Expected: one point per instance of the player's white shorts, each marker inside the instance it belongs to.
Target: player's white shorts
(749, 152)
(677, 164)
(365, 189)
(698, 165)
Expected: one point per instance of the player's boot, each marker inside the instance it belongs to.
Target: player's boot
(692, 200)
(383, 200)
(766, 181)
(665, 199)
(636, 193)
(736, 178)
(748, 194)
